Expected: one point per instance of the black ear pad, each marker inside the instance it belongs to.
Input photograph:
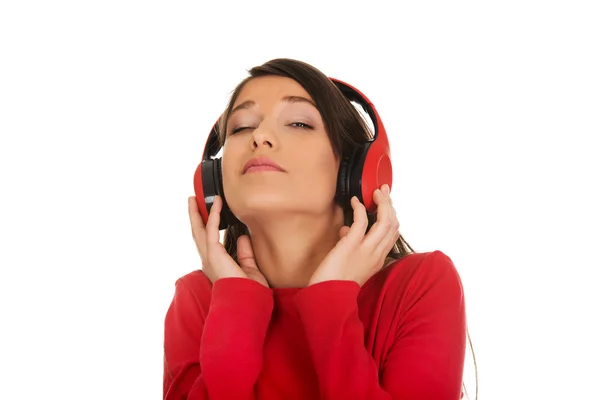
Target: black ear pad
(212, 182)
(227, 217)
(343, 184)
(356, 171)
(350, 175)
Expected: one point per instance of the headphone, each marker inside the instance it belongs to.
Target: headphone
(367, 168)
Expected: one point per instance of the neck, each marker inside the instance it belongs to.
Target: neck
(288, 249)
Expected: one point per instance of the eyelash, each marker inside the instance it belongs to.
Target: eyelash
(304, 126)
(236, 130)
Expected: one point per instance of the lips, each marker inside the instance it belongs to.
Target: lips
(261, 164)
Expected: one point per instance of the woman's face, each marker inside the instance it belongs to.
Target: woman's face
(275, 121)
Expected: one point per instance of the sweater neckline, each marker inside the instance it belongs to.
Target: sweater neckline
(285, 291)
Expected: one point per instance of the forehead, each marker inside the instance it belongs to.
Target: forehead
(270, 88)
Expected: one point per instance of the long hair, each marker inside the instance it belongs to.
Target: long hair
(344, 125)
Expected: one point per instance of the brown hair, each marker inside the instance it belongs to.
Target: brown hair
(343, 123)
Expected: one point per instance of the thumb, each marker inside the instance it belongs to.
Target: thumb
(245, 253)
(344, 231)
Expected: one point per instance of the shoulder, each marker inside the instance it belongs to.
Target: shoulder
(187, 312)
(434, 263)
(415, 275)
(193, 287)
(194, 279)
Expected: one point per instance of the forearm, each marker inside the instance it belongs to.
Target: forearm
(231, 350)
(220, 357)
(425, 343)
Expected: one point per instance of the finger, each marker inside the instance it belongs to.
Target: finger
(194, 213)
(361, 222)
(395, 222)
(390, 238)
(383, 224)
(388, 193)
(385, 189)
(387, 243)
(245, 252)
(197, 225)
(394, 215)
(212, 225)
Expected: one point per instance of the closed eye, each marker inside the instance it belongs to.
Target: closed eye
(241, 128)
(301, 125)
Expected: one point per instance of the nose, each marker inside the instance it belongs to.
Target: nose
(263, 136)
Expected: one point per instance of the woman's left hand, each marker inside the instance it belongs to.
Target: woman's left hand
(357, 257)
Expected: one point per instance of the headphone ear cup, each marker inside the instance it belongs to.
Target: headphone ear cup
(227, 217)
(204, 187)
(208, 183)
(372, 170)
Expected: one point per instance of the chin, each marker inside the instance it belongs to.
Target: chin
(261, 204)
(272, 205)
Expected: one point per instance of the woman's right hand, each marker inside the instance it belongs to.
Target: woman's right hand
(216, 262)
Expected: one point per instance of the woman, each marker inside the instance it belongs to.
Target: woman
(309, 297)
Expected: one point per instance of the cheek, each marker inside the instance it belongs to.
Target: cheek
(229, 166)
(321, 172)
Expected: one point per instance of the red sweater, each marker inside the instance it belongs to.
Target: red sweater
(401, 336)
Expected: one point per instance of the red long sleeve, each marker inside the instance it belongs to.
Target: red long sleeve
(425, 349)
(214, 338)
(401, 336)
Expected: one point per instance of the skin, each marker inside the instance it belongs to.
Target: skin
(296, 228)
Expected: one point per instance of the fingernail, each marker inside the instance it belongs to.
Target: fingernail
(386, 189)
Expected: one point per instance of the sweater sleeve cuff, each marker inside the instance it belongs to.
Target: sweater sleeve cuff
(242, 296)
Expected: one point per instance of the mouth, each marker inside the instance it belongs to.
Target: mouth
(261, 164)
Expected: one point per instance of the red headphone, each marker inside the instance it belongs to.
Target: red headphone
(367, 168)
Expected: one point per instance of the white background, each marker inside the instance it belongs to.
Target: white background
(493, 112)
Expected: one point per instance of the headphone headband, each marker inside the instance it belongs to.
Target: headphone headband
(212, 146)
(353, 94)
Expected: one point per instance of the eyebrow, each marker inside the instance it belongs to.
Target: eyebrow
(287, 99)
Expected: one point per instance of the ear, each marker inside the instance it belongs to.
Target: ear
(344, 231)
